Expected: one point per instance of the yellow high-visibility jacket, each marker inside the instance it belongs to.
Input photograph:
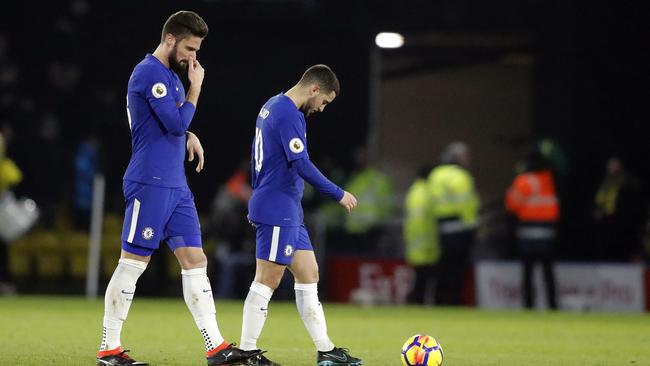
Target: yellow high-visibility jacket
(453, 194)
(420, 228)
(374, 193)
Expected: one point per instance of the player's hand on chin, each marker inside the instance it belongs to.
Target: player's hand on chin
(348, 201)
(194, 147)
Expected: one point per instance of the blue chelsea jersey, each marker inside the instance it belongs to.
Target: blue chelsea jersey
(158, 117)
(280, 138)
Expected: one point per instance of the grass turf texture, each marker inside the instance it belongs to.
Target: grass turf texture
(66, 331)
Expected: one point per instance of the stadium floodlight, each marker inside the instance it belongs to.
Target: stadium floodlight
(389, 40)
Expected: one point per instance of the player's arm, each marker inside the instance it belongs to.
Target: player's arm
(310, 173)
(175, 119)
(292, 135)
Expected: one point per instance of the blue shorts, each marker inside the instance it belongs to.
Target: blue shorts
(154, 214)
(278, 243)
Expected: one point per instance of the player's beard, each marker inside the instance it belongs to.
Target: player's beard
(179, 67)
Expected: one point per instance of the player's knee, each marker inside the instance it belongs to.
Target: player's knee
(311, 278)
(271, 281)
(306, 276)
(269, 273)
(193, 260)
(269, 276)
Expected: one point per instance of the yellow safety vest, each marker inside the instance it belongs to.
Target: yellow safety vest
(374, 193)
(607, 196)
(453, 194)
(420, 229)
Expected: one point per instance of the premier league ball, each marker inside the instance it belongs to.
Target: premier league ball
(421, 350)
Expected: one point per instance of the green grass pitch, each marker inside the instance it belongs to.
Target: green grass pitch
(66, 331)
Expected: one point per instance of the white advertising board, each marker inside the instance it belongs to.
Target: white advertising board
(579, 286)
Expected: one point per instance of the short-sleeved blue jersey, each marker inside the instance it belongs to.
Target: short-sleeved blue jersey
(158, 117)
(280, 138)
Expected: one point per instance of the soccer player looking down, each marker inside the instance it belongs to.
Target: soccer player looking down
(160, 206)
(280, 165)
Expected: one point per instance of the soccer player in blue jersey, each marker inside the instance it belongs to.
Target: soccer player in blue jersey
(160, 206)
(280, 165)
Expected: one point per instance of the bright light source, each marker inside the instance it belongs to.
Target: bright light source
(389, 40)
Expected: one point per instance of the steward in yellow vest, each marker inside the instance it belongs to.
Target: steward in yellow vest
(422, 248)
(455, 205)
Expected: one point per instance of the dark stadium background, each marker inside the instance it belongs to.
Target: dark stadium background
(590, 78)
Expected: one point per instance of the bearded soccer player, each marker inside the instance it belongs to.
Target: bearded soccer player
(160, 206)
(280, 165)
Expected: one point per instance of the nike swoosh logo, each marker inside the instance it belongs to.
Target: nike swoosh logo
(208, 290)
(127, 293)
(338, 358)
(262, 309)
(228, 355)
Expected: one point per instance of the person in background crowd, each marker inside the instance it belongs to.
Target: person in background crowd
(455, 205)
(235, 241)
(375, 192)
(86, 164)
(619, 214)
(421, 239)
(532, 198)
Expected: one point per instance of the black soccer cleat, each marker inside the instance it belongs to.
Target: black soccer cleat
(232, 356)
(337, 357)
(260, 360)
(118, 359)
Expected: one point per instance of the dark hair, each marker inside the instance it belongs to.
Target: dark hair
(184, 23)
(323, 76)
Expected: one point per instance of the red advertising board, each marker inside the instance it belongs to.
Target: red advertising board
(376, 280)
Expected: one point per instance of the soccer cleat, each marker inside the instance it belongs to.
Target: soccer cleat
(117, 357)
(260, 360)
(337, 357)
(232, 356)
